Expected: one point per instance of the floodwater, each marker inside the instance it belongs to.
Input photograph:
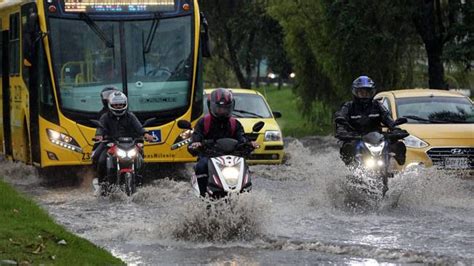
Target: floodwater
(297, 213)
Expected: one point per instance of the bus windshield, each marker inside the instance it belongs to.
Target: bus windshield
(158, 62)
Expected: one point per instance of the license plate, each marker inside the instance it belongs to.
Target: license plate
(456, 163)
(156, 134)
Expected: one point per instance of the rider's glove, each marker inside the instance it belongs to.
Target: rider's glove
(195, 145)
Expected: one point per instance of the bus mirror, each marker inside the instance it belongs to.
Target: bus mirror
(205, 39)
(183, 124)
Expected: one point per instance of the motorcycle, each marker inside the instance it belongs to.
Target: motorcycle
(372, 160)
(228, 170)
(124, 161)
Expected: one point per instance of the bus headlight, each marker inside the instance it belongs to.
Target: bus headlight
(414, 142)
(63, 140)
(231, 175)
(272, 135)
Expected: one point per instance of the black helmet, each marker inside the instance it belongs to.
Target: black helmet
(221, 103)
(363, 89)
(118, 103)
(105, 93)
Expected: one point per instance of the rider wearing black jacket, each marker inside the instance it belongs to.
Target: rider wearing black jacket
(218, 124)
(364, 115)
(117, 122)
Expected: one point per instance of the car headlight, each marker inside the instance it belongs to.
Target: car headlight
(272, 135)
(231, 175)
(132, 153)
(414, 142)
(63, 140)
(121, 153)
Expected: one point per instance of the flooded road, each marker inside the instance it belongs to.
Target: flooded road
(295, 214)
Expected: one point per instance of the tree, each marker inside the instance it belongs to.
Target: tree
(244, 34)
(344, 39)
(446, 28)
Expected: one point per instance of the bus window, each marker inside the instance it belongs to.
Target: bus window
(15, 44)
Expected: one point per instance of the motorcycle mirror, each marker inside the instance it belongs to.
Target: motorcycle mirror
(97, 123)
(183, 124)
(150, 121)
(401, 120)
(258, 126)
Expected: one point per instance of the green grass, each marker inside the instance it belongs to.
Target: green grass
(29, 236)
(292, 122)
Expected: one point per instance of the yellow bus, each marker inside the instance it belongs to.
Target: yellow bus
(57, 55)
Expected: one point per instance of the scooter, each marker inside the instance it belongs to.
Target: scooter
(371, 166)
(228, 169)
(124, 161)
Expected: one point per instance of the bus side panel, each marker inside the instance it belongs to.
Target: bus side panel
(19, 94)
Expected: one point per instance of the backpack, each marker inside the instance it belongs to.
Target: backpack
(208, 121)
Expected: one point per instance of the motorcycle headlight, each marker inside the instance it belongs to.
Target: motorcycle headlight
(414, 142)
(231, 175)
(375, 149)
(370, 163)
(121, 153)
(132, 153)
(272, 135)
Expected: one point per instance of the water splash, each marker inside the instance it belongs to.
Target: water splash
(238, 217)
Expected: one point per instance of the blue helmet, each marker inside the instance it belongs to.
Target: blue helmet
(363, 89)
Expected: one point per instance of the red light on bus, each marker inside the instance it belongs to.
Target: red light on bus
(52, 9)
(186, 7)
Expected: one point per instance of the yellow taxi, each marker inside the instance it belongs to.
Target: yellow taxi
(440, 123)
(251, 107)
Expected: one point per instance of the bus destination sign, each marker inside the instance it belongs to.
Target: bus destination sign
(118, 6)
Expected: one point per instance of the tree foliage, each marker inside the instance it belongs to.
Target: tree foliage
(333, 42)
(243, 34)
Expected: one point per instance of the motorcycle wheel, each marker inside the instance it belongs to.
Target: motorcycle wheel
(130, 185)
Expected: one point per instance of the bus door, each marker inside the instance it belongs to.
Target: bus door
(31, 72)
(7, 133)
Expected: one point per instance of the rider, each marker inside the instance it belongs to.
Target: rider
(117, 122)
(104, 96)
(218, 124)
(364, 115)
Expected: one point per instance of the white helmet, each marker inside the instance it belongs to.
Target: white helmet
(118, 103)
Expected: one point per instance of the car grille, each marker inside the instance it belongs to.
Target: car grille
(438, 156)
(264, 157)
(274, 148)
(252, 136)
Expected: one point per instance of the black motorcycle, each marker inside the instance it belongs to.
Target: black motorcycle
(372, 157)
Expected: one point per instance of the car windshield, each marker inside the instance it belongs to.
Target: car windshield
(249, 106)
(436, 109)
(158, 53)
